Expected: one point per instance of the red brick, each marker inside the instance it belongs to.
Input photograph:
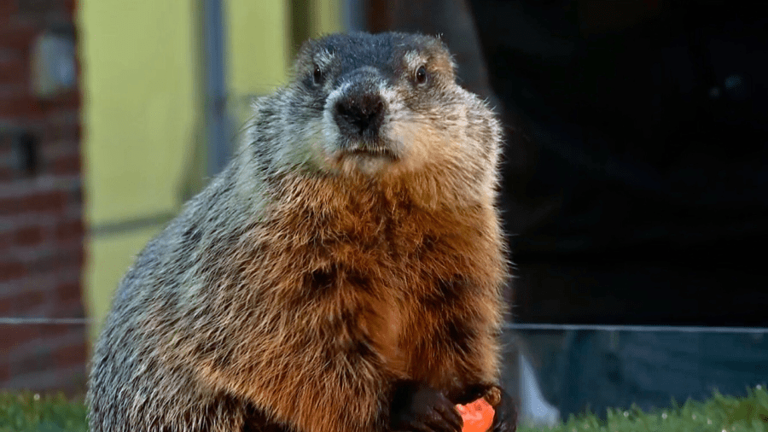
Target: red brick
(69, 254)
(17, 36)
(69, 230)
(70, 6)
(7, 153)
(77, 255)
(63, 131)
(21, 106)
(43, 261)
(8, 8)
(75, 200)
(42, 275)
(68, 292)
(36, 360)
(29, 236)
(44, 202)
(10, 205)
(5, 240)
(28, 300)
(67, 99)
(12, 336)
(66, 164)
(6, 174)
(13, 70)
(6, 306)
(41, 8)
(49, 258)
(71, 355)
(70, 309)
(34, 202)
(11, 270)
(5, 371)
(58, 332)
(65, 258)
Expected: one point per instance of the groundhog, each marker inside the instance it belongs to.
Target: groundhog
(342, 274)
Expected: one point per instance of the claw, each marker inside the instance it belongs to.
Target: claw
(505, 419)
(422, 408)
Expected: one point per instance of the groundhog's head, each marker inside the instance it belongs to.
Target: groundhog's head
(381, 105)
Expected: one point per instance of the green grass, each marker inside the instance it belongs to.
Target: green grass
(23, 412)
(27, 412)
(717, 414)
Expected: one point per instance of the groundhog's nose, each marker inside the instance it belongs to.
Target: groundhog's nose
(359, 115)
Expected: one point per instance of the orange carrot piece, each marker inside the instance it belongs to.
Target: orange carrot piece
(477, 416)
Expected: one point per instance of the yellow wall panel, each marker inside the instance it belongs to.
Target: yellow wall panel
(140, 78)
(139, 73)
(143, 137)
(257, 48)
(327, 17)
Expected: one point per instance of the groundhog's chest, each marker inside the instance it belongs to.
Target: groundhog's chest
(407, 268)
(405, 253)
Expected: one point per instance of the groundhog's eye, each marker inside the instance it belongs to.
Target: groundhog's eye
(317, 75)
(421, 75)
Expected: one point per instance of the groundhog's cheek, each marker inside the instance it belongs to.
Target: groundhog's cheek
(405, 137)
(418, 144)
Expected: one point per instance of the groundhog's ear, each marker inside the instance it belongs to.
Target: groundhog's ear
(445, 64)
(304, 55)
(441, 56)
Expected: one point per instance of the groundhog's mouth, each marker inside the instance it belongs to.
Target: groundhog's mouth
(372, 152)
(368, 160)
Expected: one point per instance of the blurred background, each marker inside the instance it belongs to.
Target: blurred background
(634, 183)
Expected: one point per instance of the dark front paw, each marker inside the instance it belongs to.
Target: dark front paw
(505, 418)
(420, 408)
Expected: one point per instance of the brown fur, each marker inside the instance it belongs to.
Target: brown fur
(376, 272)
(300, 301)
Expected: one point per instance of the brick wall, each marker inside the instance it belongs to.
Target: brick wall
(41, 227)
